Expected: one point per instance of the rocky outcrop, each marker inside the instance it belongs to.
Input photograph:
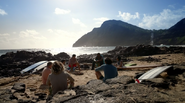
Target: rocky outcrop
(12, 63)
(144, 50)
(62, 56)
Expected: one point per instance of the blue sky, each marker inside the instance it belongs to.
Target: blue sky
(59, 23)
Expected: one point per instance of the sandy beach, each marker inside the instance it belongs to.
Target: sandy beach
(34, 84)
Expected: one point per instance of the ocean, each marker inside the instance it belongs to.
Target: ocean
(75, 50)
(70, 51)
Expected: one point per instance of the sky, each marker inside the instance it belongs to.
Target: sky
(60, 23)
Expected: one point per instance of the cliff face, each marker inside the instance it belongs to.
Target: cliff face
(175, 35)
(114, 32)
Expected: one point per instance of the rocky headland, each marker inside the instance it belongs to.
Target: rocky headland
(117, 32)
(168, 87)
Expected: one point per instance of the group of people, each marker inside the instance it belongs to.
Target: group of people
(58, 80)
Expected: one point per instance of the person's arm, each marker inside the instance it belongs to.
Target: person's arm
(99, 59)
(71, 81)
(48, 82)
(99, 68)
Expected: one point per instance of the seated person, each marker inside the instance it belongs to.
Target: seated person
(73, 63)
(45, 73)
(119, 62)
(63, 62)
(99, 60)
(58, 80)
(110, 71)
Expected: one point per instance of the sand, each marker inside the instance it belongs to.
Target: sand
(34, 84)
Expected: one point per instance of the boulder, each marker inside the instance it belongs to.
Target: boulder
(19, 87)
(62, 56)
(157, 82)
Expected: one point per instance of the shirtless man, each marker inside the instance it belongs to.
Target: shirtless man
(46, 71)
(73, 63)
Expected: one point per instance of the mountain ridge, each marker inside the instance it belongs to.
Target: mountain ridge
(117, 32)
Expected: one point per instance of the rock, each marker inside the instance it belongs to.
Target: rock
(12, 63)
(41, 96)
(19, 87)
(150, 59)
(176, 70)
(157, 82)
(6, 95)
(95, 86)
(138, 75)
(121, 80)
(62, 56)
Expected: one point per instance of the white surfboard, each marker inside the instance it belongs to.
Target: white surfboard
(32, 66)
(141, 66)
(41, 66)
(153, 73)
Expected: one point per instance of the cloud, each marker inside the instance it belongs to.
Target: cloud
(2, 12)
(127, 16)
(171, 6)
(77, 21)
(4, 38)
(28, 33)
(61, 11)
(31, 34)
(165, 19)
(100, 20)
(65, 38)
(4, 35)
(50, 30)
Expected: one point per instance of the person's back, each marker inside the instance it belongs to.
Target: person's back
(110, 71)
(58, 81)
(45, 73)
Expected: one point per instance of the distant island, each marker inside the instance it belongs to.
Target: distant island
(116, 32)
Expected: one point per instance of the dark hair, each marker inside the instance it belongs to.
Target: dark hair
(62, 61)
(108, 61)
(119, 58)
(73, 55)
(49, 63)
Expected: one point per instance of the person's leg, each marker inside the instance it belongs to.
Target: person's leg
(93, 65)
(98, 75)
(71, 68)
(78, 65)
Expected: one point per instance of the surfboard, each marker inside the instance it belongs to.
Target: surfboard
(132, 64)
(152, 73)
(32, 66)
(132, 67)
(41, 66)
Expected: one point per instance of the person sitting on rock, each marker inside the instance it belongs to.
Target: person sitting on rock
(99, 60)
(119, 62)
(45, 73)
(63, 62)
(110, 71)
(73, 63)
(58, 80)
